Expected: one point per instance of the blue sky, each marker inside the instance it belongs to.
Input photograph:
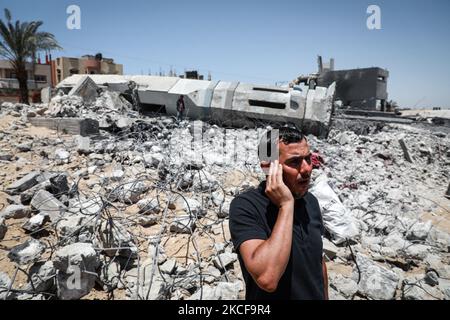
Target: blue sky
(262, 41)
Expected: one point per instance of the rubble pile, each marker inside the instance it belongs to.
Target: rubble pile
(142, 212)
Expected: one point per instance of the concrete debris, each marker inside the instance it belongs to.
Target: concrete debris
(15, 211)
(224, 260)
(62, 156)
(183, 224)
(42, 276)
(149, 206)
(23, 184)
(29, 251)
(5, 284)
(330, 249)
(86, 89)
(35, 223)
(376, 282)
(3, 228)
(147, 181)
(46, 203)
(345, 286)
(77, 270)
(222, 291)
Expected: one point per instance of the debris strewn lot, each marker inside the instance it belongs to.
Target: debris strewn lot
(140, 211)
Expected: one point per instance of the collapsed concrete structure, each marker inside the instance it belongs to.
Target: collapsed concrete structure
(363, 88)
(228, 103)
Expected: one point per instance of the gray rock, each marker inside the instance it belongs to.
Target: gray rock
(224, 210)
(27, 195)
(25, 147)
(225, 259)
(46, 203)
(183, 224)
(24, 183)
(376, 281)
(153, 159)
(418, 251)
(129, 192)
(76, 264)
(345, 286)
(169, 266)
(15, 211)
(444, 286)
(419, 231)
(109, 275)
(211, 274)
(421, 291)
(431, 278)
(117, 175)
(5, 282)
(329, 249)
(147, 221)
(35, 223)
(75, 228)
(42, 277)
(29, 251)
(62, 156)
(6, 156)
(205, 182)
(3, 228)
(115, 239)
(192, 207)
(149, 206)
(86, 89)
(223, 291)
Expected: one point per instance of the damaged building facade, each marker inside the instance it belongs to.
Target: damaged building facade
(364, 88)
(229, 103)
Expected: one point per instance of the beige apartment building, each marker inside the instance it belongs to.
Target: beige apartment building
(64, 67)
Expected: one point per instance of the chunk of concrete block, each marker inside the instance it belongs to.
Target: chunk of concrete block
(3, 228)
(47, 204)
(86, 89)
(15, 211)
(77, 270)
(23, 183)
(29, 251)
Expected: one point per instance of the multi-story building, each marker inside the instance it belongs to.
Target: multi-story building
(39, 75)
(64, 67)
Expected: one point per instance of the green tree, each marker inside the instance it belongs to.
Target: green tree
(20, 42)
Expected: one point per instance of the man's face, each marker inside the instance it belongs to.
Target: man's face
(297, 166)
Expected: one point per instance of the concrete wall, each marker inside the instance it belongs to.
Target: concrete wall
(363, 87)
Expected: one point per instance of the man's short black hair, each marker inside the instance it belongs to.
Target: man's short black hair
(286, 135)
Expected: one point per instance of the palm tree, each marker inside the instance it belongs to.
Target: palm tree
(19, 42)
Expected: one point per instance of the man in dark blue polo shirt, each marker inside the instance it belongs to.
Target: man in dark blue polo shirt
(276, 228)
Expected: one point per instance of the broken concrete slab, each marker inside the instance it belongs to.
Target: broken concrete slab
(222, 291)
(224, 260)
(46, 203)
(5, 284)
(35, 223)
(86, 89)
(42, 275)
(75, 126)
(169, 266)
(62, 156)
(23, 183)
(376, 282)
(149, 206)
(183, 224)
(329, 248)
(77, 270)
(29, 251)
(15, 211)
